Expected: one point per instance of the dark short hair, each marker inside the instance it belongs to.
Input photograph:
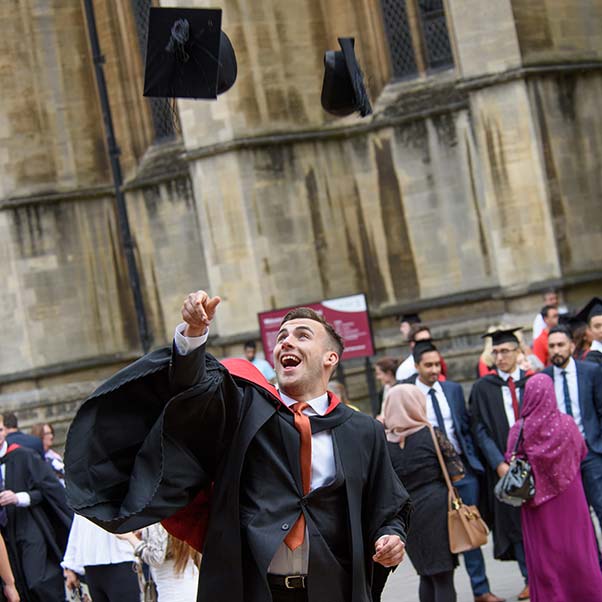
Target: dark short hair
(562, 329)
(416, 328)
(545, 310)
(309, 314)
(250, 345)
(388, 364)
(421, 351)
(10, 420)
(550, 291)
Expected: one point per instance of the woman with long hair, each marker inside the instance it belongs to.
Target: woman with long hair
(45, 431)
(558, 535)
(174, 565)
(411, 444)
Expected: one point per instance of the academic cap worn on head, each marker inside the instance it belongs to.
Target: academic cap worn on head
(591, 309)
(188, 56)
(502, 336)
(343, 89)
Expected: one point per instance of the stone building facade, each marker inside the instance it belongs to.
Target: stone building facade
(474, 186)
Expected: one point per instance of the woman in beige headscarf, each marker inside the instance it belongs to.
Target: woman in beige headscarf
(412, 449)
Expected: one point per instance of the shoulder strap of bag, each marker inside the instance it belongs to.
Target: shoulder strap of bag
(518, 439)
(453, 494)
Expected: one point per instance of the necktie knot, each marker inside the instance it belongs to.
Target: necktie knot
(299, 406)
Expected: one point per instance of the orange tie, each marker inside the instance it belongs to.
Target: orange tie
(296, 535)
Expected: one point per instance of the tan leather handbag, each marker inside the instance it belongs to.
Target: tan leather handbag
(467, 530)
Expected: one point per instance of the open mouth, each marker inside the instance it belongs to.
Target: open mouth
(289, 361)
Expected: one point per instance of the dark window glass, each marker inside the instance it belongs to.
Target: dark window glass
(435, 35)
(400, 38)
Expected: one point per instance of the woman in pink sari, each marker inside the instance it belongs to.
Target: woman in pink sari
(558, 534)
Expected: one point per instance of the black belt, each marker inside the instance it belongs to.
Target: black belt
(288, 581)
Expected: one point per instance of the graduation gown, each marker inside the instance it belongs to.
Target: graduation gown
(36, 536)
(594, 356)
(147, 445)
(490, 432)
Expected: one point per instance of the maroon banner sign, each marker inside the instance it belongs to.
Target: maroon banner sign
(348, 315)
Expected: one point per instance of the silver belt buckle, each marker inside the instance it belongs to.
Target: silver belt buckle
(294, 582)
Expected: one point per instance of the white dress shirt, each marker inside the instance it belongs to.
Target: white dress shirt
(508, 396)
(406, 369)
(23, 498)
(323, 467)
(571, 377)
(89, 545)
(445, 411)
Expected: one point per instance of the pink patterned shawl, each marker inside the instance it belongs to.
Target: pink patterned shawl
(551, 441)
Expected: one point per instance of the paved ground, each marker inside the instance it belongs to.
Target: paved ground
(504, 578)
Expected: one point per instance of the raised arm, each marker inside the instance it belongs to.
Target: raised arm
(187, 366)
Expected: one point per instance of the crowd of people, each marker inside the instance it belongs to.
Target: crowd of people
(291, 492)
(48, 554)
(557, 397)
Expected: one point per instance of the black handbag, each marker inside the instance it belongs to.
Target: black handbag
(517, 485)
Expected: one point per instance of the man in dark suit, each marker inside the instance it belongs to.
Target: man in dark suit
(14, 435)
(578, 387)
(446, 409)
(303, 494)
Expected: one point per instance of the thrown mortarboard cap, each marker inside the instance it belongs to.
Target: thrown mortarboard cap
(343, 89)
(590, 310)
(188, 55)
(409, 318)
(503, 336)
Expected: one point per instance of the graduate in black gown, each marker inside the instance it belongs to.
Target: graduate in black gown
(495, 402)
(35, 522)
(178, 427)
(592, 315)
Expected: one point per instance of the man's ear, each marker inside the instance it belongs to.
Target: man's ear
(331, 358)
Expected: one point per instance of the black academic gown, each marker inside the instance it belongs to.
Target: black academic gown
(145, 444)
(594, 356)
(490, 432)
(36, 536)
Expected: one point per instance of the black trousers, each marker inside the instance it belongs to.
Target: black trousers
(437, 588)
(113, 582)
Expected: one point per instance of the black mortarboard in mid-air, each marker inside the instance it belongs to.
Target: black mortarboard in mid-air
(343, 89)
(502, 336)
(409, 318)
(591, 309)
(423, 346)
(188, 55)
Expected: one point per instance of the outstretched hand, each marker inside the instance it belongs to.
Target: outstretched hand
(198, 311)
